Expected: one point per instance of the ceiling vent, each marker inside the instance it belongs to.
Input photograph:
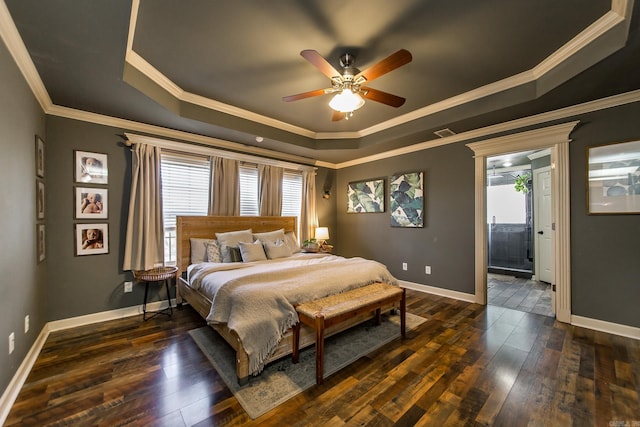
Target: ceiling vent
(443, 133)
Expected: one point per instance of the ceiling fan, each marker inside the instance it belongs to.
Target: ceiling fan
(348, 85)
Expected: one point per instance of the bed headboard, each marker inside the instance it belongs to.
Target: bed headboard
(207, 226)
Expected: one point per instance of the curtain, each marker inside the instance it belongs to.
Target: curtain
(224, 196)
(308, 215)
(270, 190)
(144, 244)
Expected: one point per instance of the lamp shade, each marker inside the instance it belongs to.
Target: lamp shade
(322, 233)
(346, 101)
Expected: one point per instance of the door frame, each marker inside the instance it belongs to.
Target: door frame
(556, 138)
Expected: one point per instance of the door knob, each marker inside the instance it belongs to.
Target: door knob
(540, 232)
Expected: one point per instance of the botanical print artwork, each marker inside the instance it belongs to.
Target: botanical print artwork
(406, 200)
(365, 196)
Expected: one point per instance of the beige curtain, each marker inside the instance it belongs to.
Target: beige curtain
(308, 215)
(144, 245)
(224, 196)
(270, 189)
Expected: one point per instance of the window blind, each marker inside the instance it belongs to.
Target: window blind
(185, 191)
(249, 190)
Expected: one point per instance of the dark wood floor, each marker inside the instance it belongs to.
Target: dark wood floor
(519, 294)
(468, 365)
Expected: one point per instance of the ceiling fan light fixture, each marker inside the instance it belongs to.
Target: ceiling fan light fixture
(346, 101)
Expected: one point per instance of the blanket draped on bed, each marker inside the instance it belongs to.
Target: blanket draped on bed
(256, 300)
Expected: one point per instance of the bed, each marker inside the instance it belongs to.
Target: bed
(191, 274)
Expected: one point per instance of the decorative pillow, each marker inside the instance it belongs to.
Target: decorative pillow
(213, 251)
(229, 241)
(252, 251)
(292, 241)
(230, 253)
(199, 250)
(277, 249)
(270, 236)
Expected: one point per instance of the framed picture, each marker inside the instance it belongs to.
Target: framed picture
(365, 196)
(42, 242)
(91, 203)
(406, 200)
(39, 157)
(613, 178)
(92, 239)
(91, 167)
(40, 199)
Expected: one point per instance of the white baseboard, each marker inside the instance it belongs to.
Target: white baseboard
(438, 291)
(13, 389)
(603, 326)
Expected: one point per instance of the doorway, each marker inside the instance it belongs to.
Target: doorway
(518, 196)
(556, 139)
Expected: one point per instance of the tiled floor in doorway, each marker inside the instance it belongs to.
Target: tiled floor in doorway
(519, 294)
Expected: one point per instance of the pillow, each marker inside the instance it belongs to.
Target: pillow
(213, 251)
(277, 249)
(292, 241)
(270, 236)
(252, 251)
(229, 241)
(198, 250)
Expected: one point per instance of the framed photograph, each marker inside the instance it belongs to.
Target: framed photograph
(92, 239)
(39, 157)
(91, 203)
(42, 242)
(40, 199)
(91, 167)
(406, 199)
(365, 196)
(613, 178)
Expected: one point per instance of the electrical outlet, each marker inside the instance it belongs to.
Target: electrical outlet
(12, 342)
(26, 323)
(427, 269)
(128, 286)
(404, 266)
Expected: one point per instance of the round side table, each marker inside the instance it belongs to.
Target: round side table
(156, 275)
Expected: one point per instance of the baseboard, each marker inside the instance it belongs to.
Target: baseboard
(438, 291)
(11, 393)
(13, 389)
(603, 326)
(72, 322)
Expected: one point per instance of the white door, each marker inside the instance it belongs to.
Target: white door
(543, 228)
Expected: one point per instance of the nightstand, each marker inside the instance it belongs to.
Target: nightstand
(156, 275)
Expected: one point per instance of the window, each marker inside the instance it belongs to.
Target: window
(249, 190)
(292, 194)
(185, 191)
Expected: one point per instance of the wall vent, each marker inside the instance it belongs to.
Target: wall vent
(443, 133)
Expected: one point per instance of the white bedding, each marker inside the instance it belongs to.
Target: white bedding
(257, 299)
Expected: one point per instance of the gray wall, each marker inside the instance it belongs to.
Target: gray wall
(605, 249)
(605, 272)
(22, 279)
(446, 242)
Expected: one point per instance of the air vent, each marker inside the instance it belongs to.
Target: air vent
(443, 133)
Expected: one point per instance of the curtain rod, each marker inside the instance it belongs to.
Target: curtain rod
(210, 151)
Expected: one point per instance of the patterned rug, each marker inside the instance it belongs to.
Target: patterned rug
(281, 380)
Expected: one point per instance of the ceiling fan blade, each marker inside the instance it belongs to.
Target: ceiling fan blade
(380, 96)
(390, 63)
(304, 95)
(320, 63)
(337, 116)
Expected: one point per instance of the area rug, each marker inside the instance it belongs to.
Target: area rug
(281, 380)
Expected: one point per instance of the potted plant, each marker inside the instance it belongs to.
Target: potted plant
(310, 245)
(522, 183)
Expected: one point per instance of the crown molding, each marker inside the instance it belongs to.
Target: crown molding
(11, 37)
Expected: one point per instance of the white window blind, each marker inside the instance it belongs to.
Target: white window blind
(249, 190)
(291, 193)
(185, 191)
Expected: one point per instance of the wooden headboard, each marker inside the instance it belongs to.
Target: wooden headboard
(206, 227)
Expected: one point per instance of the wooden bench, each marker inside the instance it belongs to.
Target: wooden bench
(331, 310)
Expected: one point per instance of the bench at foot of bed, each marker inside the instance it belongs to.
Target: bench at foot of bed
(334, 309)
